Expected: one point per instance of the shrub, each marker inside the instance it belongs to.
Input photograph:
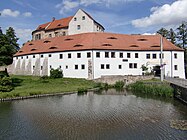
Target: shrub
(6, 84)
(56, 73)
(82, 91)
(119, 84)
(4, 74)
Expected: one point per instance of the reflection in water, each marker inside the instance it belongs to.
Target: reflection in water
(107, 116)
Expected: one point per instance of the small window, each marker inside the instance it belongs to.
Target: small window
(136, 55)
(130, 65)
(27, 57)
(22, 57)
(83, 17)
(162, 55)
(102, 66)
(76, 67)
(16, 57)
(175, 67)
(41, 67)
(88, 54)
(107, 66)
(106, 54)
(125, 60)
(82, 67)
(75, 19)
(154, 56)
(66, 66)
(98, 54)
(49, 55)
(33, 56)
(121, 55)
(50, 67)
(69, 55)
(175, 55)
(41, 55)
(112, 54)
(50, 35)
(119, 66)
(78, 55)
(78, 27)
(148, 56)
(135, 65)
(63, 33)
(61, 56)
(60, 67)
(128, 55)
(33, 67)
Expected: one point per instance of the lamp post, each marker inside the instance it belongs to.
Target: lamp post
(161, 59)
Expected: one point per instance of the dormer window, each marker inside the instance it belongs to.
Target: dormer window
(78, 27)
(50, 35)
(75, 19)
(112, 38)
(78, 45)
(53, 48)
(106, 44)
(47, 41)
(68, 39)
(83, 17)
(33, 49)
(30, 44)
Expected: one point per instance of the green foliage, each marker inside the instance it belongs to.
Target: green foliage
(56, 73)
(156, 89)
(3, 74)
(182, 34)
(164, 32)
(6, 84)
(82, 91)
(119, 85)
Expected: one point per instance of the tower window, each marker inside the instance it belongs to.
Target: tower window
(83, 17)
(78, 27)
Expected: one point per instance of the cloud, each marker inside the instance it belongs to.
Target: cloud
(9, 12)
(23, 34)
(167, 15)
(68, 5)
(27, 14)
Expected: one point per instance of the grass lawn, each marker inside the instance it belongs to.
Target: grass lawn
(30, 85)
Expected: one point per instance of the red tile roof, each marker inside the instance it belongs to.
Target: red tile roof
(55, 24)
(97, 41)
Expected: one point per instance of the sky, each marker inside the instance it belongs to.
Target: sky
(117, 16)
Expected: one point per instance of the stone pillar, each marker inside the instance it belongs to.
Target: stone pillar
(45, 67)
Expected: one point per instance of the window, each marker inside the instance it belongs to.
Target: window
(49, 55)
(27, 57)
(78, 27)
(175, 67)
(102, 66)
(56, 33)
(175, 55)
(61, 56)
(136, 55)
(50, 35)
(66, 66)
(63, 33)
(162, 55)
(112, 54)
(69, 55)
(133, 65)
(148, 56)
(88, 55)
(22, 57)
(16, 57)
(78, 55)
(50, 67)
(98, 54)
(83, 17)
(38, 36)
(121, 55)
(120, 66)
(41, 67)
(76, 67)
(125, 60)
(154, 56)
(75, 19)
(128, 55)
(106, 54)
(82, 67)
(60, 67)
(41, 55)
(33, 56)
(33, 67)
(107, 66)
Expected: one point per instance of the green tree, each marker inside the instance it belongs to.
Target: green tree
(11, 35)
(164, 32)
(172, 36)
(182, 34)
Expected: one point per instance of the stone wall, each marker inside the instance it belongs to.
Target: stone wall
(128, 79)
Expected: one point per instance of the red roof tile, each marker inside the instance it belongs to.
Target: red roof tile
(95, 41)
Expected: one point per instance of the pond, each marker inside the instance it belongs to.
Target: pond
(111, 115)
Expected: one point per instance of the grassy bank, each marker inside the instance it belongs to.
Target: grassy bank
(152, 87)
(29, 85)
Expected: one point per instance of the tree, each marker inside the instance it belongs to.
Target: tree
(172, 36)
(1, 32)
(8, 44)
(182, 34)
(164, 32)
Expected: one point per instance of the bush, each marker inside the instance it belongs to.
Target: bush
(56, 73)
(6, 84)
(4, 74)
(119, 84)
(82, 91)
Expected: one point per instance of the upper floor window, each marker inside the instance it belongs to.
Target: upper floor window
(49, 55)
(112, 54)
(128, 55)
(121, 55)
(75, 19)
(175, 67)
(106, 54)
(83, 17)
(88, 54)
(154, 55)
(78, 55)
(82, 67)
(102, 66)
(120, 66)
(69, 55)
(41, 55)
(107, 66)
(97, 54)
(133, 65)
(76, 67)
(60, 56)
(33, 56)
(175, 55)
(148, 56)
(38, 36)
(136, 55)
(78, 27)
(50, 35)
(63, 33)
(162, 55)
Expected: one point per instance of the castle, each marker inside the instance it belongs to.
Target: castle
(79, 46)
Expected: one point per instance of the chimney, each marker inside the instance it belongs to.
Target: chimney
(53, 19)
